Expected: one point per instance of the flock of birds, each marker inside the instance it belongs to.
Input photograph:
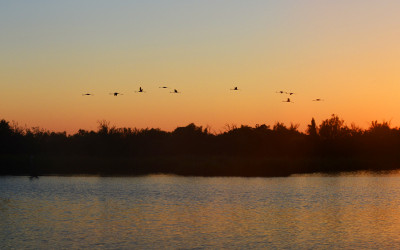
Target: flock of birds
(175, 91)
(291, 93)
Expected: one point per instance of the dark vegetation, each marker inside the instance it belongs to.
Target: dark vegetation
(331, 146)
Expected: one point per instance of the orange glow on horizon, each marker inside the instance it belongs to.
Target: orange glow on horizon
(344, 53)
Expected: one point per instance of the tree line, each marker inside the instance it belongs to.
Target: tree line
(262, 150)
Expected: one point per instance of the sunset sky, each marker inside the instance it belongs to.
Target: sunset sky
(345, 52)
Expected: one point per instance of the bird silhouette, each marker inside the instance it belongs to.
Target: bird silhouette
(289, 93)
(175, 92)
(288, 100)
(87, 94)
(163, 87)
(235, 88)
(116, 94)
(280, 92)
(140, 90)
(317, 100)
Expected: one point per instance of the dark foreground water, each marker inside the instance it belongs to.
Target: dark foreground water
(357, 211)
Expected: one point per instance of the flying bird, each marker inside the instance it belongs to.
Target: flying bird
(140, 90)
(116, 94)
(318, 100)
(175, 92)
(163, 87)
(280, 92)
(87, 94)
(235, 88)
(289, 93)
(288, 100)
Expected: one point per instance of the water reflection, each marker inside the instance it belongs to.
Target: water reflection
(185, 212)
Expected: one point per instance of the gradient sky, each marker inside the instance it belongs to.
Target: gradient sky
(345, 52)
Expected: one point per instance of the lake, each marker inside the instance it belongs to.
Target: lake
(151, 212)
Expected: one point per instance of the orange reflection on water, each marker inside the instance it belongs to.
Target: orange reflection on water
(356, 211)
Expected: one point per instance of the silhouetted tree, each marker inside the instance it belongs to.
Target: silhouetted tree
(380, 129)
(312, 129)
(332, 128)
(5, 128)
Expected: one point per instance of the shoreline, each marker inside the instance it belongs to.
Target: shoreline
(190, 165)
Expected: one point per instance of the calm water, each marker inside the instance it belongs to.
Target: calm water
(190, 212)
